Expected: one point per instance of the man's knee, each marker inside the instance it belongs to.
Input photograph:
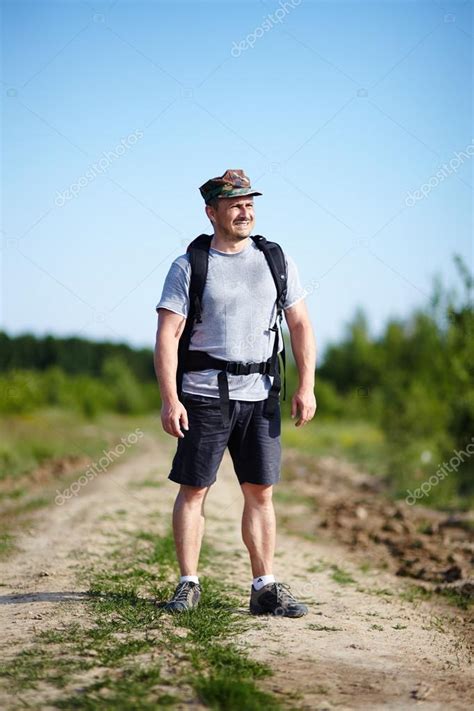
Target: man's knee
(257, 493)
(193, 494)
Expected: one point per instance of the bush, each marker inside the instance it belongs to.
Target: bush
(126, 391)
(418, 377)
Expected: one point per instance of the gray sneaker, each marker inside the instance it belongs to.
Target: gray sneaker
(276, 599)
(186, 597)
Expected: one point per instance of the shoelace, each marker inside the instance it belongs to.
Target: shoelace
(284, 594)
(182, 591)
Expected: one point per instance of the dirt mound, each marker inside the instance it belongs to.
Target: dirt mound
(414, 541)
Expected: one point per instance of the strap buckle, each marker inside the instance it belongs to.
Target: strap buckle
(239, 368)
(265, 368)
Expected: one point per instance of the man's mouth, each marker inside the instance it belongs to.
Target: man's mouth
(241, 222)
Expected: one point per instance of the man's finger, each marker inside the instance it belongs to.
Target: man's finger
(305, 416)
(169, 428)
(184, 420)
(174, 428)
(177, 426)
(166, 425)
(294, 407)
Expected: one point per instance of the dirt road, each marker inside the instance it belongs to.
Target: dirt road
(362, 645)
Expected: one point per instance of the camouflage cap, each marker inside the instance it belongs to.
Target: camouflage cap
(234, 183)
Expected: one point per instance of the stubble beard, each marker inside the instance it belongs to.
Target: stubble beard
(235, 237)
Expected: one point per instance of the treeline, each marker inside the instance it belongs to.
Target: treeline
(75, 373)
(73, 355)
(115, 388)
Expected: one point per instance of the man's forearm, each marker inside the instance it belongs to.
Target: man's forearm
(303, 345)
(166, 363)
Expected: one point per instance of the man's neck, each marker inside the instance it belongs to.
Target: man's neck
(224, 244)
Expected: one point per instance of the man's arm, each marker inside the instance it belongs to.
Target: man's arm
(303, 345)
(173, 412)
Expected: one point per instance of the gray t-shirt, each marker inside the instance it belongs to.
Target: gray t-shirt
(238, 310)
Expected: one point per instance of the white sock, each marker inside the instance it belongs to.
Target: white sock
(189, 579)
(262, 580)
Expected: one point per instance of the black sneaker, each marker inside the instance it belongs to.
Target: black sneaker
(275, 599)
(186, 597)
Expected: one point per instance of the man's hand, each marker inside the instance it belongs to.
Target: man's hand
(173, 417)
(303, 404)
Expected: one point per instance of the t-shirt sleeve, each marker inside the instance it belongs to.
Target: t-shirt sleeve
(295, 291)
(175, 294)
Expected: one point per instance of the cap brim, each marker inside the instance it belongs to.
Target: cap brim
(239, 192)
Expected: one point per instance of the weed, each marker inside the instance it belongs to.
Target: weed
(341, 576)
(323, 628)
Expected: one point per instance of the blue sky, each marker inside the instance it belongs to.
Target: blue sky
(336, 110)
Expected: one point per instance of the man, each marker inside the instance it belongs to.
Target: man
(237, 324)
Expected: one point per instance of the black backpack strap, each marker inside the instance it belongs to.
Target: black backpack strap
(198, 252)
(277, 264)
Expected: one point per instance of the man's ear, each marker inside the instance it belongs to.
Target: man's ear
(210, 213)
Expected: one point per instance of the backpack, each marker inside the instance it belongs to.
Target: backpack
(191, 360)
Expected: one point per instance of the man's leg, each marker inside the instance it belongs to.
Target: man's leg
(188, 530)
(259, 527)
(188, 526)
(195, 464)
(256, 451)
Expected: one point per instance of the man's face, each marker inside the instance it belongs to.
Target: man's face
(233, 217)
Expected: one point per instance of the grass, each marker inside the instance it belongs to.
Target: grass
(319, 567)
(7, 545)
(417, 593)
(128, 690)
(47, 435)
(147, 483)
(36, 664)
(125, 635)
(364, 444)
(380, 592)
(341, 576)
(359, 442)
(43, 435)
(219, 673)
(323, 628)
(290, 496)
(49, 438)
(436, 623)
(232, 694)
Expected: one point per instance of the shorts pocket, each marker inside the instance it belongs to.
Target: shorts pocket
(200, 401)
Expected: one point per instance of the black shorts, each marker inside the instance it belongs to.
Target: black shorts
(253, 441)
